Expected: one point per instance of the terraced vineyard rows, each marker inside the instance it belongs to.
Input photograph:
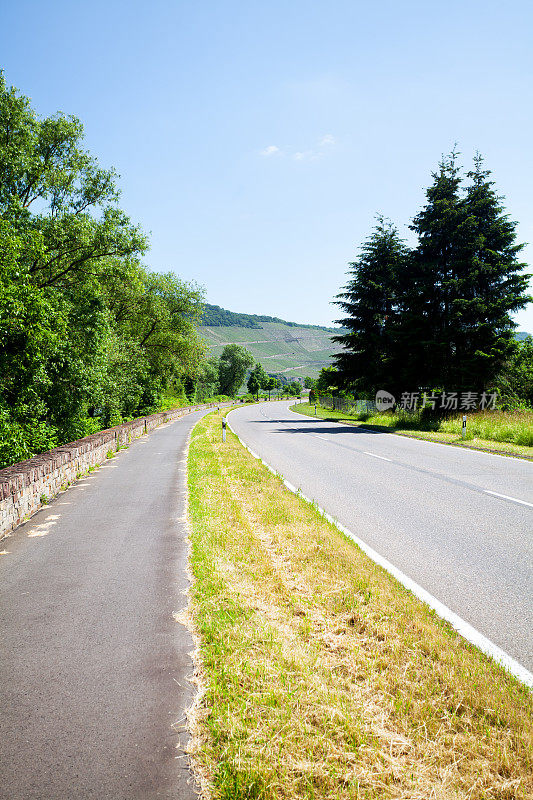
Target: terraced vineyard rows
(280, 348)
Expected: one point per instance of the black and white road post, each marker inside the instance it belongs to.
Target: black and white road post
(463, 432)
(223, 429)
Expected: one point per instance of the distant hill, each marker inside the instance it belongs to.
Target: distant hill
(217, 317)
(286, 348)
(521, 335)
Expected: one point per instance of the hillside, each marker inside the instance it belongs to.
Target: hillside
(282, 347)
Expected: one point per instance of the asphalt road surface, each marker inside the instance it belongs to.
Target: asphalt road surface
(93, 666)
(458, 522)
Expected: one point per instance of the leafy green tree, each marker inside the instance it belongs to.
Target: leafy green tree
(207, 381)
(234, 363)
(59, 210)
(253, 384)
(309, 383)
(43, 167)
(87, 334)
(294, 389)
(271, 385)
(328, 381)
(515, 381)
(258, 380)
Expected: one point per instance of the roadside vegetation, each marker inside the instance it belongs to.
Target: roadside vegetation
(502, 431)
(90, 336)
(320, 676)
(171, 401)
(438, 315)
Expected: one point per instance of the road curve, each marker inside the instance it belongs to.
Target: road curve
(458, 522)
(93, 666)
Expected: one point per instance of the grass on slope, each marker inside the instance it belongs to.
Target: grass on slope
(495, 431)
(323, 677)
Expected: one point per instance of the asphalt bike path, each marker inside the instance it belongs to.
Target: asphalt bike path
(93, 665)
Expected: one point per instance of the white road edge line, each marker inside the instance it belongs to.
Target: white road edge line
(374, 455)
(506, 497)
(462, 627)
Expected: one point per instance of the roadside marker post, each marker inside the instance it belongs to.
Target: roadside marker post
(463, 432)
(223, 429)
(315, 409)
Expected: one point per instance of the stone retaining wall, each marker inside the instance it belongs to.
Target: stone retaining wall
(26, 485)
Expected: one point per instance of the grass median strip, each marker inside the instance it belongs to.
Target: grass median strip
(323, 678)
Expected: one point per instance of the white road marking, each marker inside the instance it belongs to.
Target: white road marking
(462, 627)
(376, 456)
(506, 497)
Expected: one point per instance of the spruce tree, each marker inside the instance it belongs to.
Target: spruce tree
(439, 317)
(370, 304)
(465, 282)
(428, 325)
(491, 285)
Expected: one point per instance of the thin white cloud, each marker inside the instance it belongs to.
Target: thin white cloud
(271, 150)
(306, 155)
(313, 154)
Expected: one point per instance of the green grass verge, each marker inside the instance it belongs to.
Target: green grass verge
(449, 431)
(321, 676)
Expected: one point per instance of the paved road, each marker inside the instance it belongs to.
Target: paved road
(92, 665)
(458, 522)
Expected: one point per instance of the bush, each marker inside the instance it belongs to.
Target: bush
(18, 442)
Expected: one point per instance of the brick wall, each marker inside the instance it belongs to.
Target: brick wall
(24, 484)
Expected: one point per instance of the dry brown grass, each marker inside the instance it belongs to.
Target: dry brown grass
(325, 678)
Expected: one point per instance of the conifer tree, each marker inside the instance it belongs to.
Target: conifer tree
(438, 317)
(427, 330)
(465, 283)
(370, 304)
(491, 285)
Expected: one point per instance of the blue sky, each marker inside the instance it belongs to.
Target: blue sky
(256, 141)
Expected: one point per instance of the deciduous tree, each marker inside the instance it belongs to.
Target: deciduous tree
(234, 363)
